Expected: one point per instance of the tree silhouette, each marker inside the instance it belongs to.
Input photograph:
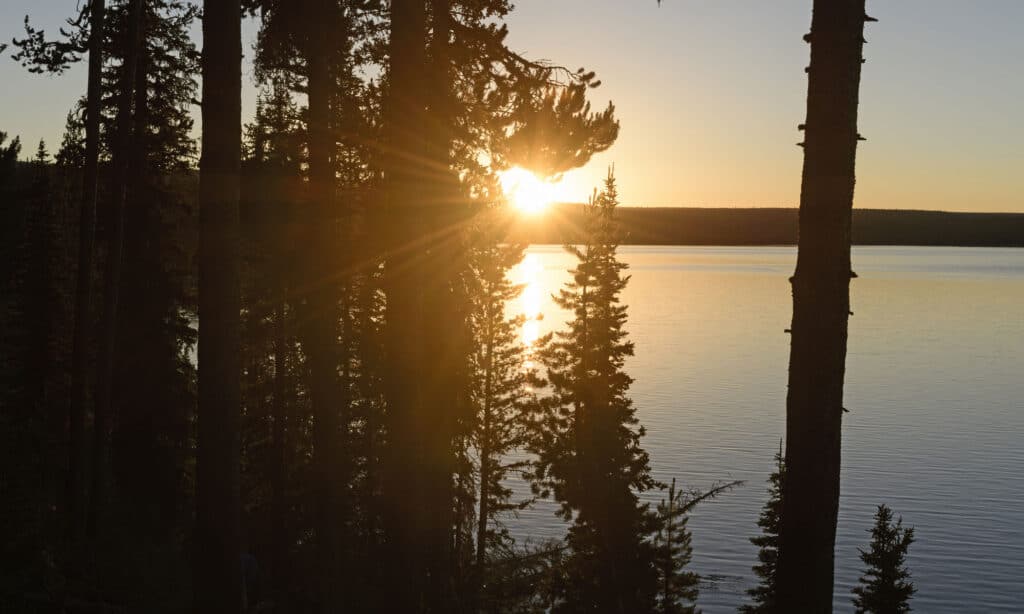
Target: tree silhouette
(402, 482)
(112, 274)
(501, 394)
(821, 307)
(677, 588)
(218, 581)
(885, 587)
(41, 55)
(764, 594)
(150, 439)
(588, 439)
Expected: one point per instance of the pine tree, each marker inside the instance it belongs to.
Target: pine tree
(501, 394)
(670, 537)
(40, 55)
(8, 158)
(885, 587)
(588, 439)
(677, 588)
(763, 594)
(106, 353)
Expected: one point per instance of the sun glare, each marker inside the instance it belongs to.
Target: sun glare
(527, 192)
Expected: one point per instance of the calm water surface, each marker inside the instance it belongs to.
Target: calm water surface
(935, 382)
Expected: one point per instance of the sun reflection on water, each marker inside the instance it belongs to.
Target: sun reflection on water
(530, 304)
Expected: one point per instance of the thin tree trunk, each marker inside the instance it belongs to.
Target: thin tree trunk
(821, 305)
(280, 469)
(218, 580)
(112, 279)
(443, 316)
(485, 460)
(83, 281)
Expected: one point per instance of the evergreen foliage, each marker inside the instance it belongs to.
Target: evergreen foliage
(323, 289)
(588, 437)
(503, 384)
(763, 595)
(885, 586)
(677, 587)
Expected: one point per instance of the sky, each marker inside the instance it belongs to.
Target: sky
(710, 93)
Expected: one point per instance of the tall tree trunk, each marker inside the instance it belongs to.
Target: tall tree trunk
(218, 581)
(83, 281)
(821, 306)
(112, 278)
(321, 298)
(443, 315)
(402, 486)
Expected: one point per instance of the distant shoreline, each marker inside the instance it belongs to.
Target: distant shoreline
(778, 226)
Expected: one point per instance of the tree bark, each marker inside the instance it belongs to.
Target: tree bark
(218, 580)
(322, 307)
(83, 282)
(442, 336)
(821, 306)
(402, 485)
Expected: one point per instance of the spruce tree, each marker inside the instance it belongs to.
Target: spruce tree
(677, 587)
(885, 587)
(763, 594)
(588, 439)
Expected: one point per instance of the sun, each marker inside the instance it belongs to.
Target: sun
(527, 192)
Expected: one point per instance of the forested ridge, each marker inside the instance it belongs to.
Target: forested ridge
(271, 369)
(778, 226)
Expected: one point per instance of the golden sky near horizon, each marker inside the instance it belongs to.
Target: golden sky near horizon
(710, 93)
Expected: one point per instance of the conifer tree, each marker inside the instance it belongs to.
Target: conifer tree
(41, 55)
(588, 439)
(670, 537)
(885, 587)
(150, 438)
(104, 387)
(271, 185)
(677, 587)
(8, 157)
(502, 384)
(763, 595)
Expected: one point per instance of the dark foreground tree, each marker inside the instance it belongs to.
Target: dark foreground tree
(821, 307)
(677, 587)
(588, 440)
(885, 587)
(764, 594)
(104, 387)
(40, 55)
(501, 383)
(218, 580)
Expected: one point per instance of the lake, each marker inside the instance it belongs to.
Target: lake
(934, 385)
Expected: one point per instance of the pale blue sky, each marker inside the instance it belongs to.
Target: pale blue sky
(710, 93)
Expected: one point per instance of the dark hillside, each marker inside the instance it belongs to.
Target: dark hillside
(778, 226)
